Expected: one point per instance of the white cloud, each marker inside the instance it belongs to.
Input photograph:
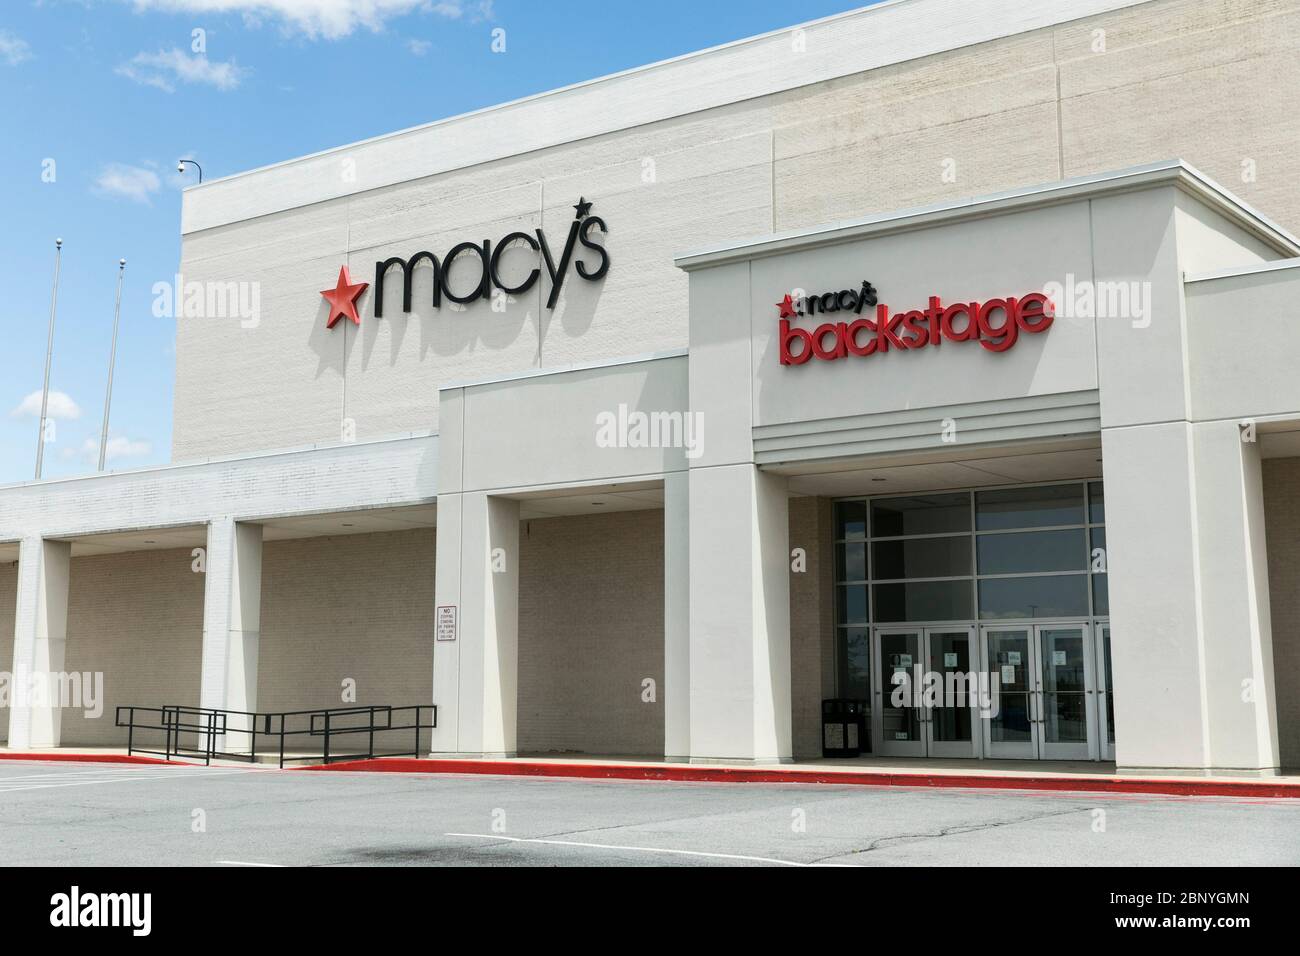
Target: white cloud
(13, 50)
(166, 68)
(325, 18)
(136, 183)
(60, 405)
(118, 447)
(419, 47)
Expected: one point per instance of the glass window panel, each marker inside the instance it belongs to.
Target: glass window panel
(1029, 507)
(1032, 551)
(855, 663)
(850, 519)
(920, 514)
(923, 601)
(852, 607)
(1064, 595)
(1096, 503)
(921, 558)
(1098, 542)
(851, 561)
(1100, 595)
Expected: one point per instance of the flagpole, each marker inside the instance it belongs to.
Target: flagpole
(49, 351)
(112, 360)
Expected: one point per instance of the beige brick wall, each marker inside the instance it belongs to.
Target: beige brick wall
(1282, 529)
(361, 607)
(812, 625)
(591, 628)
(353, 606)
(138, 619)
(8, 598)
(1212, 81)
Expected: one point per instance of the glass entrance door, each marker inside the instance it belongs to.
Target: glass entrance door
(1046, 688)
(898, 664)
(1011, 730)
(919, 670)
(1105, 695)
(949, 720)
(1066, 718)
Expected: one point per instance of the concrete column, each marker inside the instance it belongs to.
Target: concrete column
(1241, 699)
(232, 612)
(1191, 638)
(40, 641)
(446, 653)
(676, 691)
(740, 616)
(476, 682)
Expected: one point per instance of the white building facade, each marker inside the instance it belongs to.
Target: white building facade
(641, 417)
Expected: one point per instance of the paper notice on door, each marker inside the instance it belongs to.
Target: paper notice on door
(949, 660)
(905, 660)
(1058, 658)
(1013, 657)
(1008, 674)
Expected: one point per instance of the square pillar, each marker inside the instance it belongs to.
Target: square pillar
(40, 642)
(232, 613)
(1241, 696)
(676, 691)
(740, 616)
(476, 676)
(1191, 637)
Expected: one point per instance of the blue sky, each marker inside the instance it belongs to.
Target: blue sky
(99, 98)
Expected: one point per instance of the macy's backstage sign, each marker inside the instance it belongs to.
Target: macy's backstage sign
(343, 297)
(996, 324)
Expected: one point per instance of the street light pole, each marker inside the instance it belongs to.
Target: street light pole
(49, 351)
(112, 360)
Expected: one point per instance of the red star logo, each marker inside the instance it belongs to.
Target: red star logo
(343, 298)
(786, 306)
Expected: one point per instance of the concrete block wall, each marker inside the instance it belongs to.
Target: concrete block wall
(1282, 531)
(352, 606)
(812, 622)
(8, 599)
(136, 617)
(1202, 80)
(1208, 80)
(591, 628)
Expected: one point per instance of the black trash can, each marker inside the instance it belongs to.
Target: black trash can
(844, 726)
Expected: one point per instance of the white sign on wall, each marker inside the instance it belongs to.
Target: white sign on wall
(447, 622)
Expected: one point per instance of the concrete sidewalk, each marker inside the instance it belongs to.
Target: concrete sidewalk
(877, 772)
(1073, 776)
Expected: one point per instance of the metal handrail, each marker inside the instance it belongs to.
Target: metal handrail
(212, 725)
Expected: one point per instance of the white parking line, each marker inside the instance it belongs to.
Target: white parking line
(642, 849)
(92, 783)
(242, 863)
(106, 771)
(73, 774)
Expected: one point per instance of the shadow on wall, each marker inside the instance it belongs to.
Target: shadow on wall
(1282, 534)
(591, 634)
(8, 600)
(347, 620)
(137, 619)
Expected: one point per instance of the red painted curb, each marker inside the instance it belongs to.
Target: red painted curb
(708, 774)
(89, 758)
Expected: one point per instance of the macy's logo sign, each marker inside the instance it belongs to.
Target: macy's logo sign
(995, 324)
